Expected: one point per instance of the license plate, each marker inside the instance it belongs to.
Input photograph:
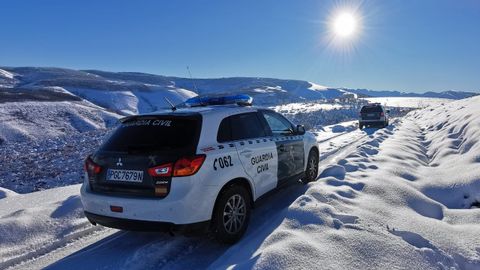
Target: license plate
(371, 115)
(125, 175)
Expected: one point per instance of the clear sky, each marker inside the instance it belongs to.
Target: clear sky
(407, 45)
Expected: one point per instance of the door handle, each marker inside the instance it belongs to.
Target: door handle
(246, 152)
(282, 148)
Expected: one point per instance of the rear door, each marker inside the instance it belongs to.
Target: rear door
(371, 112)
(289, 146)
(257, 153)
(141, 143)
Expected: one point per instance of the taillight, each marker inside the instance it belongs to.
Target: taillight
(91, 167)
(188, 165)
(162, 170)
(382, 114)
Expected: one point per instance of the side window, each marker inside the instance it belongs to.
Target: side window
(277, 123)
(246, 126)
(224, 131)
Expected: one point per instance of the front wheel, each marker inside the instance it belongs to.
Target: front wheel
(312, 167)
(231, 214)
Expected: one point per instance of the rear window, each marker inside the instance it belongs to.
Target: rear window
(371, 109)
(154, 134)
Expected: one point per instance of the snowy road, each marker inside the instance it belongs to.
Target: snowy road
(112, 249)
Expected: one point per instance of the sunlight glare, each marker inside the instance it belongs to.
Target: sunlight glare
(344, 25)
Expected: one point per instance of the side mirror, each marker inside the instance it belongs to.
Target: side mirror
(300, 130)
(388, 111)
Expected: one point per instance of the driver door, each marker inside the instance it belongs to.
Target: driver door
(289, 146)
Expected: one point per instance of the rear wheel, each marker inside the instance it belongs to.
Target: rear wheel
(231, 214)
(312, 167)
(360, 126)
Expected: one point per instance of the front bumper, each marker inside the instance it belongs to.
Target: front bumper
(186, 204)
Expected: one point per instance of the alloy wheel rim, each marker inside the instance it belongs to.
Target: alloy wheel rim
(234, 214)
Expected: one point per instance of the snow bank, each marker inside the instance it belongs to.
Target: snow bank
(34, 224)
(4, 193)
(405, 198)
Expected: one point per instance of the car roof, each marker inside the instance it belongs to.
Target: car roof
(373, 105)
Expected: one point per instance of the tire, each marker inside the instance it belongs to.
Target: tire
(311, 172)
(231, 214)
(360, 126)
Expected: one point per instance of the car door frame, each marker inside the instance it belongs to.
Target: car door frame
(290, 150)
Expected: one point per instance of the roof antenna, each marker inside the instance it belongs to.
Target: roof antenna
(171, 104)
(194, 85)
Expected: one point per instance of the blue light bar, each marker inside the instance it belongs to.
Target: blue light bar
(243, 100)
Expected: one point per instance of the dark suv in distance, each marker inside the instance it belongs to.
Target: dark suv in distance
(373, 115)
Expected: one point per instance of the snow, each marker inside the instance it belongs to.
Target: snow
(134, 101)
(39, 121)
(37, 223)
(317, 87)
(403, 197)
(123, 102)
(6, 74)
(4, 193)
(305, 107)
(43, 144)
(409, 102)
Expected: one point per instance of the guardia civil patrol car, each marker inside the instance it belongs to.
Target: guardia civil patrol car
(195, 168)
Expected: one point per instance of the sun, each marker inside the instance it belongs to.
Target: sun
(343, 29)
(344, 25)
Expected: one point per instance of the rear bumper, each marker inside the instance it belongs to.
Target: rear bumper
(186, 204)
(372, 122)
(141, 225)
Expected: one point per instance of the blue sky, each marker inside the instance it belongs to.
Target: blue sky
(407, 45)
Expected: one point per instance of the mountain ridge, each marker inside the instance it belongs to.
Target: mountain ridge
(143, 92)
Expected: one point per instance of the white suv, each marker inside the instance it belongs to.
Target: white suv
(195, 168)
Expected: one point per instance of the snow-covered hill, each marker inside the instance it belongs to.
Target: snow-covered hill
(133, 92)
(6, 78)
(123, 96)
(130, 92)
(39, 121)
(445, 94)
(43, 144)
(404, 197)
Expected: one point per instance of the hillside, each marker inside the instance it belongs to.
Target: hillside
(445, 94)
(132, 92)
